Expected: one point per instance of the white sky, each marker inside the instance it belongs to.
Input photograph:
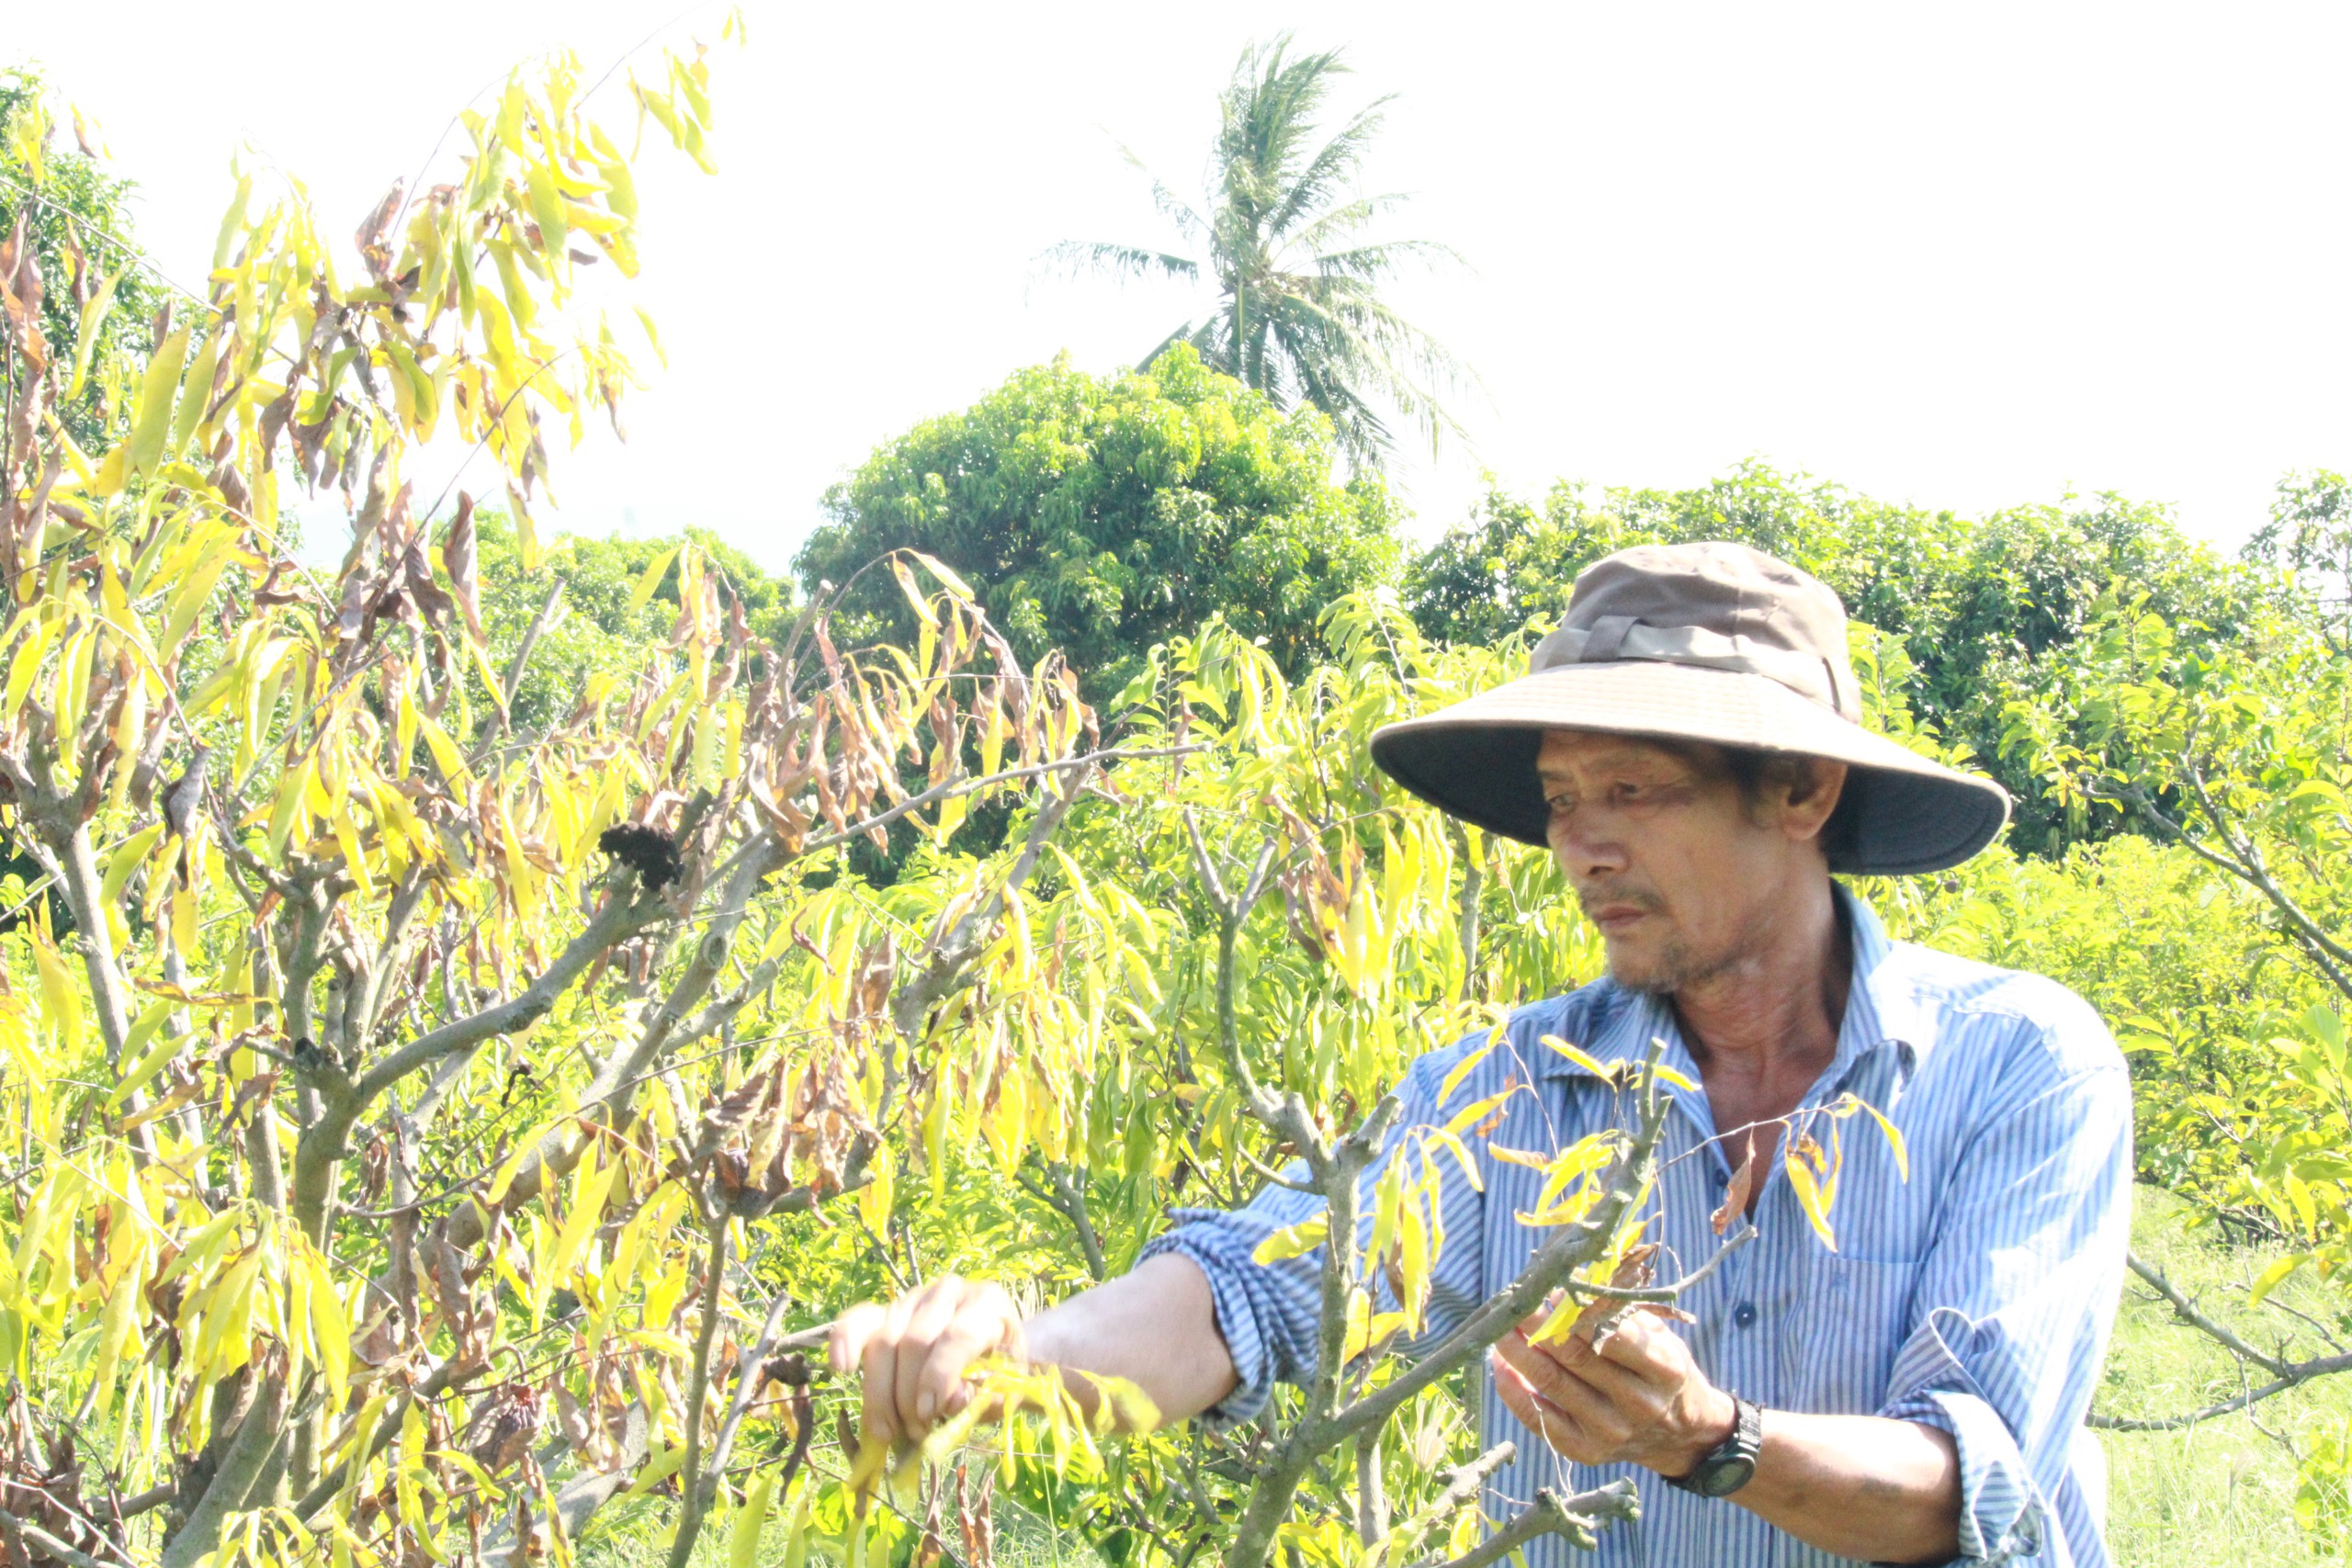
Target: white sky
(1962, 255)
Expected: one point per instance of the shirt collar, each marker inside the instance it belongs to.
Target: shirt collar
(1882, 1009)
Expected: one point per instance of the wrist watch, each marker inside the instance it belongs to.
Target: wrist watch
(1730, 1464)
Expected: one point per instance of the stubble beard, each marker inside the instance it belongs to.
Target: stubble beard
(1672, 968)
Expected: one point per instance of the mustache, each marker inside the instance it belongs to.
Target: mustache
(1590, 897)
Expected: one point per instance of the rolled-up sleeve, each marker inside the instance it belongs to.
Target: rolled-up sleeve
(2015, 1299)
(1269, 1313)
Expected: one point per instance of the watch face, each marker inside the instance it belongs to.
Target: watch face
(1727, 1475)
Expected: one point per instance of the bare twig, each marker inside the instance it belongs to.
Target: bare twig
(1577, 1519)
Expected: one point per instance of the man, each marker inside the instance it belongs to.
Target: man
(1688, 743)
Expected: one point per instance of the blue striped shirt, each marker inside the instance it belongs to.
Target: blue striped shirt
(1975, 1297)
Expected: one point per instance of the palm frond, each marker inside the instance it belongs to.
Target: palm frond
(1329, 172)
(1268, 110)
(1173, 208)
(1285, 242)
(1080, 256)
(1340, 222)
(1372, 263)
(1190, 333)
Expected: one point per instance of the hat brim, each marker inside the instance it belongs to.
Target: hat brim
(1476, 759)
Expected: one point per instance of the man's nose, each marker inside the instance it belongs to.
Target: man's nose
(1583, 852)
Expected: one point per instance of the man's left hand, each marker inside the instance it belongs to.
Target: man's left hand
(1639, 1399)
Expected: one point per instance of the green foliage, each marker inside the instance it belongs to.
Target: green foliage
(1978, 604)
(1283, 237)
(2220, 1491)
(1100, 516)
(2310, 536)
(61, 205)
(595, 625)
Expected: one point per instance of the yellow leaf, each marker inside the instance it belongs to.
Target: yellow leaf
(125, 860)
(743, 1537)
(1478, 1110)
(329, 1326)
(643, 594)
(1468, 1065)
(587, 1212)
(546, 207)
(939, 570)
(26, 665)
(1582, 1059)
(153, 421)
(93, 314)
(1894, 1138)
(197, 392)
(1809, 1198)
(2272, 1276)
(924, 612)
(115, 1326)
(657, 1468)
(445, 755)
(1293, 1241)
(194, 593)
(61, 999)
(1453, 1146)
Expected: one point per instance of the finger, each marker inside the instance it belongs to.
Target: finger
(1596, 1411)
(1651, 1353)
(983, 1324)
(845, 1346)
(1570, 1359)
(1607, 1416)
(934, 1307)
(1538, 1414)
(877, 1396)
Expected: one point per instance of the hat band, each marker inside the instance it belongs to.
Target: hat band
(1613, 638)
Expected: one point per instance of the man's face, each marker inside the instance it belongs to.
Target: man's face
(1682, 876)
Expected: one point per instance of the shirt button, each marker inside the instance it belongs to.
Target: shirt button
(1722, 1179)
(1744, 1316)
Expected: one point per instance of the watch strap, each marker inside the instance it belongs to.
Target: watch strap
(1730, 1464)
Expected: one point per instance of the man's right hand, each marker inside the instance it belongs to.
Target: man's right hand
(913, 1354)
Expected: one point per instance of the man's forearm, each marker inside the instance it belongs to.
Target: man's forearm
(1859, 1487)
(1156, 1327)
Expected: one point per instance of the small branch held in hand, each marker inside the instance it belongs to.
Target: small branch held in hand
(1575, 1519)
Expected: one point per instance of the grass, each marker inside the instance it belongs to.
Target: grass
(2222, 1492)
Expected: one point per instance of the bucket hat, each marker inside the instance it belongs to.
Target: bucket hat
(1713, 642)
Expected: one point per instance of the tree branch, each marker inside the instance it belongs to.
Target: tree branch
(2285, 1374)
(1577, 1518)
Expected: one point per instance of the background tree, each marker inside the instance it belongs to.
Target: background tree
(582, 597)
(1979, 606)
(59, 205)
(1283, 237)
(1101, 515)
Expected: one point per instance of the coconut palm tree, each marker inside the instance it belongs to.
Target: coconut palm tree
(1299, 312)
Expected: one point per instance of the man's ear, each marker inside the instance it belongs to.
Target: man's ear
(1814, 794)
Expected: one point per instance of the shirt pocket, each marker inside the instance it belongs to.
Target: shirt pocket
(1856, 1313)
